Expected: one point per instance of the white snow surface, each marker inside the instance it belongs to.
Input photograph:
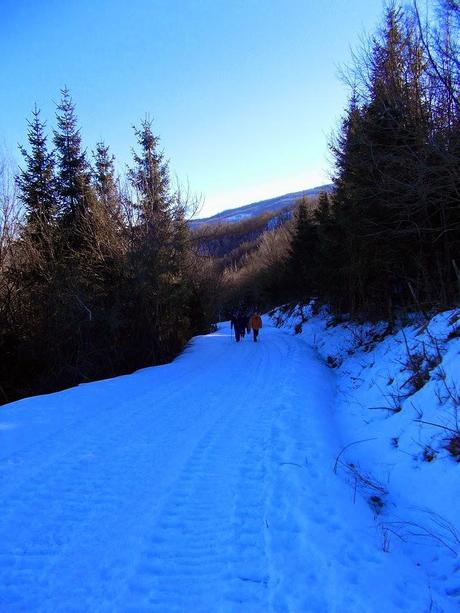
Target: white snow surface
(398, 429)
(208, 485)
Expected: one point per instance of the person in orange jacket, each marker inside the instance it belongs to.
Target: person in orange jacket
(255, 323)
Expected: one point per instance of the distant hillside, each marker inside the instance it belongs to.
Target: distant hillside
(233, 234)
(272, 205)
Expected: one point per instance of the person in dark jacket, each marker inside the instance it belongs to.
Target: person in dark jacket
(242, 321)
(235, 325)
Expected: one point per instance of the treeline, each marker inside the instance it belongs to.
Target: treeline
(387, 239)
(99, 275)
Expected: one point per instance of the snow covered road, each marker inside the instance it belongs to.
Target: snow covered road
(203, 485)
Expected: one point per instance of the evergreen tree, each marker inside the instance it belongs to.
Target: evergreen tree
(106, 189)
(160, 250)
(104, 173)
(302, 253)
(342, 281)
(36, 181)
(37, 190)
(150, 178)
(380, 156)
(73, 171)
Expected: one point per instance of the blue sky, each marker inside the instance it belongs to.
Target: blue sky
(243, 94)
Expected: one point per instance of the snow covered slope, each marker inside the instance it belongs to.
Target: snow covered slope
(203, 485)
(397, 408)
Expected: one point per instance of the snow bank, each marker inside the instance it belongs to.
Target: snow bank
(397, 410)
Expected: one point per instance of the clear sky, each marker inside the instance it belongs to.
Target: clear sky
(243, 93)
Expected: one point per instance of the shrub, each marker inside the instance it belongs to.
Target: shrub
(376, 504)
(333, 362)
(429, 454)
(453, 447)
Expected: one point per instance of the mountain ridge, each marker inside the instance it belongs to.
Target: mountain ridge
(277, 203)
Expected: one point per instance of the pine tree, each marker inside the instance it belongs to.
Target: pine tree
(396, 127)
(302, 253)
(342, 280)
(73, 170)
(37, 190)
(160, 251)
(36, 182)
(380, 160)
(36, 253)
(105, 187)
(150, 178)
(104, 173)
(332, 239)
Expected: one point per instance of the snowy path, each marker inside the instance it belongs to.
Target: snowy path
(203, 485)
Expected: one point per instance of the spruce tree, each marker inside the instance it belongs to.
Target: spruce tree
(36, 253)
(73, 176)
(302, 253)
(380, 161)
(159, 251)
(150, 178)
(37, 190)
(36, 181)
(105, 187)
(104, 172)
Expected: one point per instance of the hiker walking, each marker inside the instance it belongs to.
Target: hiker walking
(255, 323)
(237, 325)
(242, 320)
(234, 326)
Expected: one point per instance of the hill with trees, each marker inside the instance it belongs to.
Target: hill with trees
(280, 205)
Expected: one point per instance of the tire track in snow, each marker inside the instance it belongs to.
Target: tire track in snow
(192, 548)
(78, 494)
